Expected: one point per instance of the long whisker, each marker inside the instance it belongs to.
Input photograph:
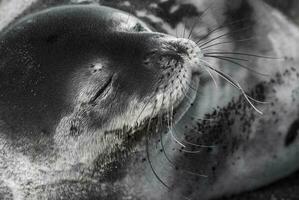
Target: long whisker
(171, 129)
(195, 90)
(151, 165)
(161, 138)
(218, 28)
(174, 165)
(190, 152)
(233, 83)
(213, 78)
(199, 18)
(187, 83)
(239, 64)
(257, 101)
(171, 116)
(240, 54)
(175, 139)
(185, 93)
(227, 42)
(179, 142)
(209, 41)
(184, 32)
(231, 58)
(148, 154)
(196, 145)
(220, 36)
(192, 28)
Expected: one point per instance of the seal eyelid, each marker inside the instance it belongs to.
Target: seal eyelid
(102, 89)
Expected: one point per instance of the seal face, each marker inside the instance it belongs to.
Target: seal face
(71, 76)
(56, 59)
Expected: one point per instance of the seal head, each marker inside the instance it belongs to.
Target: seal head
(81, 71)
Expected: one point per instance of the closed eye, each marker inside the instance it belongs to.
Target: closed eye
(102, 89)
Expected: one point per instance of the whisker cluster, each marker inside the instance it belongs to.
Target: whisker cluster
(181, 84)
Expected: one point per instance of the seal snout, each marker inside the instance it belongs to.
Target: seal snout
(176, 62)
(192, 52)
(181, 50)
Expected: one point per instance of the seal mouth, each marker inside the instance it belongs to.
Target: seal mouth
(102, 90)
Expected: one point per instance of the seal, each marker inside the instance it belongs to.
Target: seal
(76, 82)
(89, 93)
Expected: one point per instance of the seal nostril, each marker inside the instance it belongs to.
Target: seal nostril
(180, 48)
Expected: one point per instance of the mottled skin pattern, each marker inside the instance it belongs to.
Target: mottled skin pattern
(246, 150)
